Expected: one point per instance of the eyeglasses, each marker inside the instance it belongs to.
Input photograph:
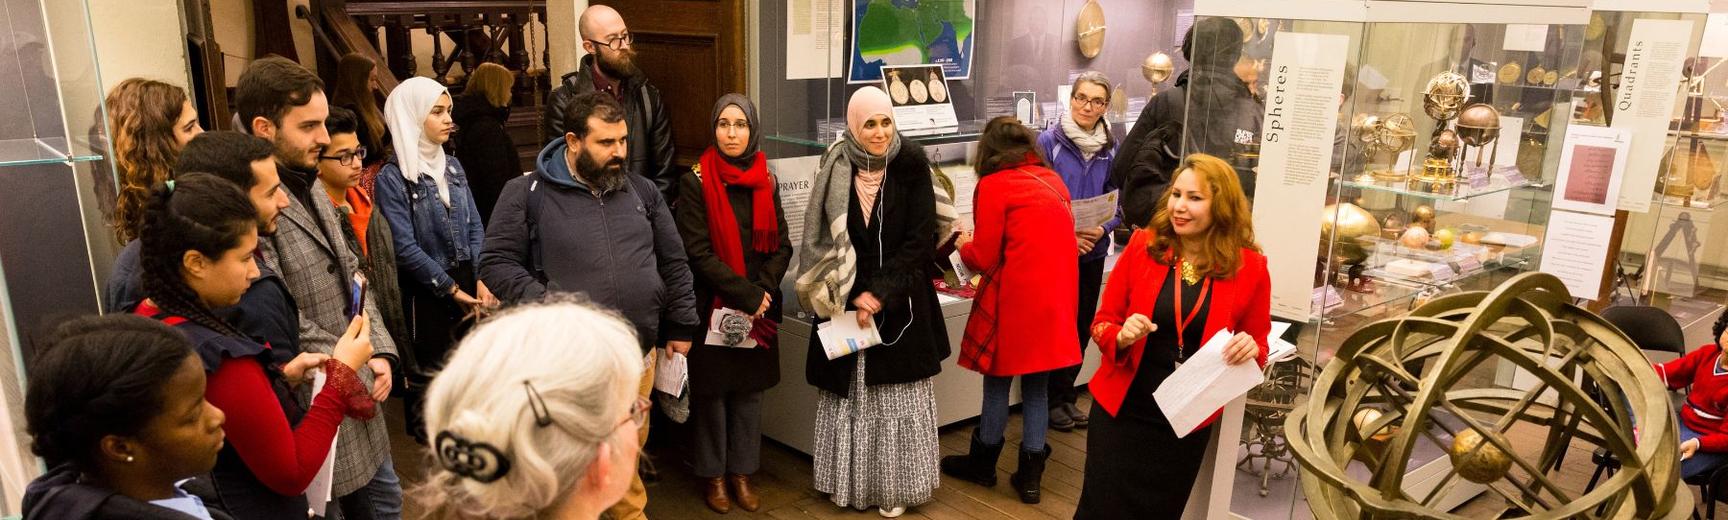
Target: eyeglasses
(346, 159)
(740, 126)
(638, 413)
(616, 43)
(1094, 104)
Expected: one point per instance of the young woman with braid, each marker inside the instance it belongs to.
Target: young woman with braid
(199, 237)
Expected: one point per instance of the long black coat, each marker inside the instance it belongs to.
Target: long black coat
(905, 227)
(715, 369)
(487, 153)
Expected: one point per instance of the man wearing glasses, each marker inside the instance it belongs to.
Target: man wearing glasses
(341, 166)
(610, 68)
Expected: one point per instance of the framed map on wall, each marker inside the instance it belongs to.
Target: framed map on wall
(912, 32)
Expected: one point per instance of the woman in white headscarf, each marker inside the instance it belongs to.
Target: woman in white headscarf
(424, 195)
(870, 230)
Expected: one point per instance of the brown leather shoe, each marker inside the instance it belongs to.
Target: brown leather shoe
(714, 494)
(741, 491)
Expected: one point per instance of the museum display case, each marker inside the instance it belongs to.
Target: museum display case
(55, 190)
(1672, 256)
(1395, 153)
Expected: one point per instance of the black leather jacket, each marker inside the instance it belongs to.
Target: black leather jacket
(650, 141)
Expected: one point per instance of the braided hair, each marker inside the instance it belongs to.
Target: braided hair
(197, 212)
(99, 376)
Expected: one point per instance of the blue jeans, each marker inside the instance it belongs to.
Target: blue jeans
(1035, 404)
(380, 499)
(1702, 462)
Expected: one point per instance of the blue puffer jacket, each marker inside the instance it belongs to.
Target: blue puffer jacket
(430, 238)
(1085, 179)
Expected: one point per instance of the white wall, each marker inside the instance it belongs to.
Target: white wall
(233, 30)
(139, 38)
(566, 50)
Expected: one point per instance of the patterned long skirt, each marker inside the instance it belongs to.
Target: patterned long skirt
(878, 447)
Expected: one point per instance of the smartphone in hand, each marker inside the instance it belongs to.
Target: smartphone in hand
(356, 295)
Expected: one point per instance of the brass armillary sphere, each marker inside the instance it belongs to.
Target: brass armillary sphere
(1401, 382)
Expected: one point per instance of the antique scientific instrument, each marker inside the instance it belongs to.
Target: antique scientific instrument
(1377, 136)
(1426, 378)
(1349, 230)
(1157, 69)
(1442, 99)
(1089, 29)
(1478, 127)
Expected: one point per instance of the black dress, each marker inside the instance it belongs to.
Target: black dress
(1136, 466)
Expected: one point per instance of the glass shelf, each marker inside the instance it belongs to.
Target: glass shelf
(18, 152)
(1497, 182)
(967, 131)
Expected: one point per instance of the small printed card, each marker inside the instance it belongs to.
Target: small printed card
(730, 328)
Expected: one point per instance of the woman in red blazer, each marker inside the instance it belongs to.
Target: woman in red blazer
(1025, 247)
(1194, 271)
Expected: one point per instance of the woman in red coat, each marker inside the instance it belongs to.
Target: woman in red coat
(1193, 272)
(1025, 247)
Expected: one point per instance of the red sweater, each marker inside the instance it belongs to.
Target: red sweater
(1707, 402)
(1242, 303)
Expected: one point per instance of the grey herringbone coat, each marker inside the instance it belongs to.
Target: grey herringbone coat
(317, 265)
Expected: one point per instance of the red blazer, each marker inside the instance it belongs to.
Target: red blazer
(1242, 303)
(1025, 227)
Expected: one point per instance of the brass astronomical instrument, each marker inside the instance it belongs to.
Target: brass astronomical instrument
(1403, 382)
(1479, 126)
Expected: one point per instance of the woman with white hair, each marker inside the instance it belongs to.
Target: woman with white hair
(535, 416)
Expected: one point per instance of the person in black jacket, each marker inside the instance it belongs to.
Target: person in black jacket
(116, 405)
(487, 153)
(610, 68)
(734, 231)
(1222, 119)
(869, 230)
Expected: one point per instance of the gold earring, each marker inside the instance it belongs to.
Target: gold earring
(130, 459)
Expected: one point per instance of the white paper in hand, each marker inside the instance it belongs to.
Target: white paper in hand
(671, 373)
(318, 493)
(1203, 384)
(842, 336)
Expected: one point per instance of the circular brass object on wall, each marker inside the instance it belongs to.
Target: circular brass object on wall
(1089, 29)
(1509, 73)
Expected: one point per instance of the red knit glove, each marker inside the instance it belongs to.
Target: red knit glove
(346, 383)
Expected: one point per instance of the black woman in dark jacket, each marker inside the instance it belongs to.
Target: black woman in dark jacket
(729, 213)
(116, 403)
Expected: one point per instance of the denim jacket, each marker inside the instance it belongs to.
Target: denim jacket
(430, 238)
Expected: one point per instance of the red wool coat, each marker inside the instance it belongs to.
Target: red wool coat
(1242, 303)
(1024, 231)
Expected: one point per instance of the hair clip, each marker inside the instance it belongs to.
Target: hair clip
(537, 404)
(476, 460)
(170, 184)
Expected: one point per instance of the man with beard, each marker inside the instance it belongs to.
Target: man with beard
(284, 103)
(581, 223)
(610, 68)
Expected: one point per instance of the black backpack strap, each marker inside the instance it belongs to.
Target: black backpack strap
(533, 219)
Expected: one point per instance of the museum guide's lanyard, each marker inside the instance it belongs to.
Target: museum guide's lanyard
(1181, 323)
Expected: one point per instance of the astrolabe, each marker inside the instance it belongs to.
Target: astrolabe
(1550, 78)
(897, 88)
(1509, 73)
(1535, 76)
(1089, 29)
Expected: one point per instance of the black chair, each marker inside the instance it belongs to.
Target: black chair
(1652, 330)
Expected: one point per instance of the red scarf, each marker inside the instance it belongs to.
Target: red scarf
(723, 233)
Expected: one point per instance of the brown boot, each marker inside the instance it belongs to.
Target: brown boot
(741, 490)
(714, 493)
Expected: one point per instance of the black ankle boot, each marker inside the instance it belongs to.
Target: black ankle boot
(977, 466)
(1028, 479)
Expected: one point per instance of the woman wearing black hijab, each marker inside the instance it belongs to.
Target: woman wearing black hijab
(734, 231)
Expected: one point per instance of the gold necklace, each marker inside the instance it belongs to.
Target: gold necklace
(1190, 275)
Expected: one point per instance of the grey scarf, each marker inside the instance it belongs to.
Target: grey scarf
(1089, 143)
(827, 264)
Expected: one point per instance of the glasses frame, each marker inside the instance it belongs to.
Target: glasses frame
(616, 43)
(1090, 103)
(346, 159)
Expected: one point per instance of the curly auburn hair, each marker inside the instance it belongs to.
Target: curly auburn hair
(141, 115)
(1232, 228)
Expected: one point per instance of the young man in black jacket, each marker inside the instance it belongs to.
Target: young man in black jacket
(582, 223)
(610, 68)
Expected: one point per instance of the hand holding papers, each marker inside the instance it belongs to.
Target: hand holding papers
(841, 336)
(318, 492)
(1094, 212)
(1203, 384)
(672, 373)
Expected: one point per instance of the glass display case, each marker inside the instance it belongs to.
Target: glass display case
(1672, 255)
(55, 192)
(1394, 152)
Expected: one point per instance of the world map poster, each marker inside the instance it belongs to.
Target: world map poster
(912, 32)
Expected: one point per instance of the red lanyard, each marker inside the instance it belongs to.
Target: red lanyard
(1182, 323)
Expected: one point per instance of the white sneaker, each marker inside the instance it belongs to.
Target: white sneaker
(894, 512)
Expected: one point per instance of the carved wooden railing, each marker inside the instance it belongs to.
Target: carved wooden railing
(498, 31)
